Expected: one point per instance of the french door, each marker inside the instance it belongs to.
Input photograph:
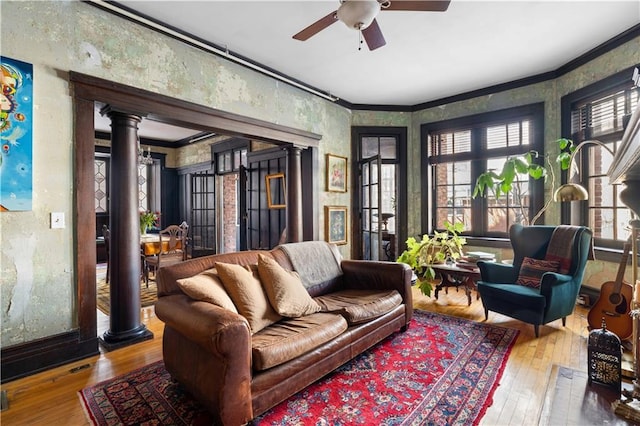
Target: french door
(202, 224)
(379, 220)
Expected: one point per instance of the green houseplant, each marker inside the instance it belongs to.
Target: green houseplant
(505, 182)
(440, 247)
(148, 219)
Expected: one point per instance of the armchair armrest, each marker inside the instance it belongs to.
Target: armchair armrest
(497, 272)
(551, 280)
(380, 275)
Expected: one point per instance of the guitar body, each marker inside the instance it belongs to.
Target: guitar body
(614, 305)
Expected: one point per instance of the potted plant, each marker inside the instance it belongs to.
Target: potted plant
(504, 182)
(430, 250)
(148, 219)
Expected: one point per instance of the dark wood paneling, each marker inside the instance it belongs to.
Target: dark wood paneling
(265, 225)
(171, 214)
(38, 355)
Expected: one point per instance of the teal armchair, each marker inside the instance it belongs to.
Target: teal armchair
(557, 293)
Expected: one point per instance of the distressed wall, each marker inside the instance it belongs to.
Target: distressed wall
(37, 287)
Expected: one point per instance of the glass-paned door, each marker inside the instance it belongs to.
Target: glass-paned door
(202, 226)
(377, 225)
(370, 194)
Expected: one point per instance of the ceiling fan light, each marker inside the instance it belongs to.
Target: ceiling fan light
(358, 14)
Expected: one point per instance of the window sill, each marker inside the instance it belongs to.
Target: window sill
(604, 254)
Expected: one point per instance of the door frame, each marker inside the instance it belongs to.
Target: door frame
(357, 132)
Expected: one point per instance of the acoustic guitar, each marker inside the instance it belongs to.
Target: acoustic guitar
(614, 303)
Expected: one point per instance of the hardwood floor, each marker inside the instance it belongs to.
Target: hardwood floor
(51, 397)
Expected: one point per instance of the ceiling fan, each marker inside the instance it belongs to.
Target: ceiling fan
(361, 15)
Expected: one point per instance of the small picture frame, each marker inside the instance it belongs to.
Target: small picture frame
(336, 173)
(276, 193)
(335, 218)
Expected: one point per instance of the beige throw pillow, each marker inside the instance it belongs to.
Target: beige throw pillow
(285, 290)
(248, 295)
(207, 287)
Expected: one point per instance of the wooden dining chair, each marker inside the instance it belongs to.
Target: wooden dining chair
(172, 249)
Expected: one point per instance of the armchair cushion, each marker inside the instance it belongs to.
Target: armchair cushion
(247, 294)
(513, 296)
(531, 271)
(285, 290)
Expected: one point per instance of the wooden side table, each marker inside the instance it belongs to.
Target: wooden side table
(455, 276)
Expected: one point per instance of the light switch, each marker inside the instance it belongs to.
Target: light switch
(57, 220)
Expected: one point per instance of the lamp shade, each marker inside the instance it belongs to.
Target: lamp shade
(571, 192)
(358, 14)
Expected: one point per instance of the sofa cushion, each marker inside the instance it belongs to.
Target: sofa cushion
(531, 271)
(244, 287)
(285, 290)
(207, 287)
(358, 306)
(290, 338)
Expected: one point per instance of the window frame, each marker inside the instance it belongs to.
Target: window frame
(477, 156)
(579, 212)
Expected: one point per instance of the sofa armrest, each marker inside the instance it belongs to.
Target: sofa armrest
(380, 275)
(208, 350)
(206, 324)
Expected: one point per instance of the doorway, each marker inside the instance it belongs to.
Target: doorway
(379, 197)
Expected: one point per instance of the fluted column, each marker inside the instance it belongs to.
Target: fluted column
(294, 194)
(125, 327)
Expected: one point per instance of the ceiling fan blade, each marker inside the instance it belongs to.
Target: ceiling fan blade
(373, 36)
(421, 6)
(317, 26)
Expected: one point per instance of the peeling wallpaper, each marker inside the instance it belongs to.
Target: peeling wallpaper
(38, 288)
(37, 280)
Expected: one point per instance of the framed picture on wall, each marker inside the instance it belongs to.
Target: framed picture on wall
(336, 173)
(275, 191)
(335, 218)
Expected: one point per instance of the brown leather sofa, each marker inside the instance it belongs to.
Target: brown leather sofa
(210, 350)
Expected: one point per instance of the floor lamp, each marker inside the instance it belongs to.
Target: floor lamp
(576, 192)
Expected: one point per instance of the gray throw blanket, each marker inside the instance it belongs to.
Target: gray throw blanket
(315, 261)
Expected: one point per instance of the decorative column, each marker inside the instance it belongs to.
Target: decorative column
(125, 327)
(294, 194)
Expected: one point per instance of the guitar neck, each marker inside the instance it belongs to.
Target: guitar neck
(622, 267)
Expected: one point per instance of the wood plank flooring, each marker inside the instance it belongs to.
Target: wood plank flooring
(51, 397)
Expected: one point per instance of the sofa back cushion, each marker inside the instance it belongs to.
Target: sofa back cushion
(284, 289)
(244, 287)
(317, 262)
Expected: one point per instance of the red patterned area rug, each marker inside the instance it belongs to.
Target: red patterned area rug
(442, 371)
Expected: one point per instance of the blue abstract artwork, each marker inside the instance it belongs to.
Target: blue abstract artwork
(16, 135)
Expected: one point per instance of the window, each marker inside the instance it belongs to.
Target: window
(101, 184)
(230, 161)
(601, 114)
(460, 150)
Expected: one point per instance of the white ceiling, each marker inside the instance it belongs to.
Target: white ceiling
(428, 55)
